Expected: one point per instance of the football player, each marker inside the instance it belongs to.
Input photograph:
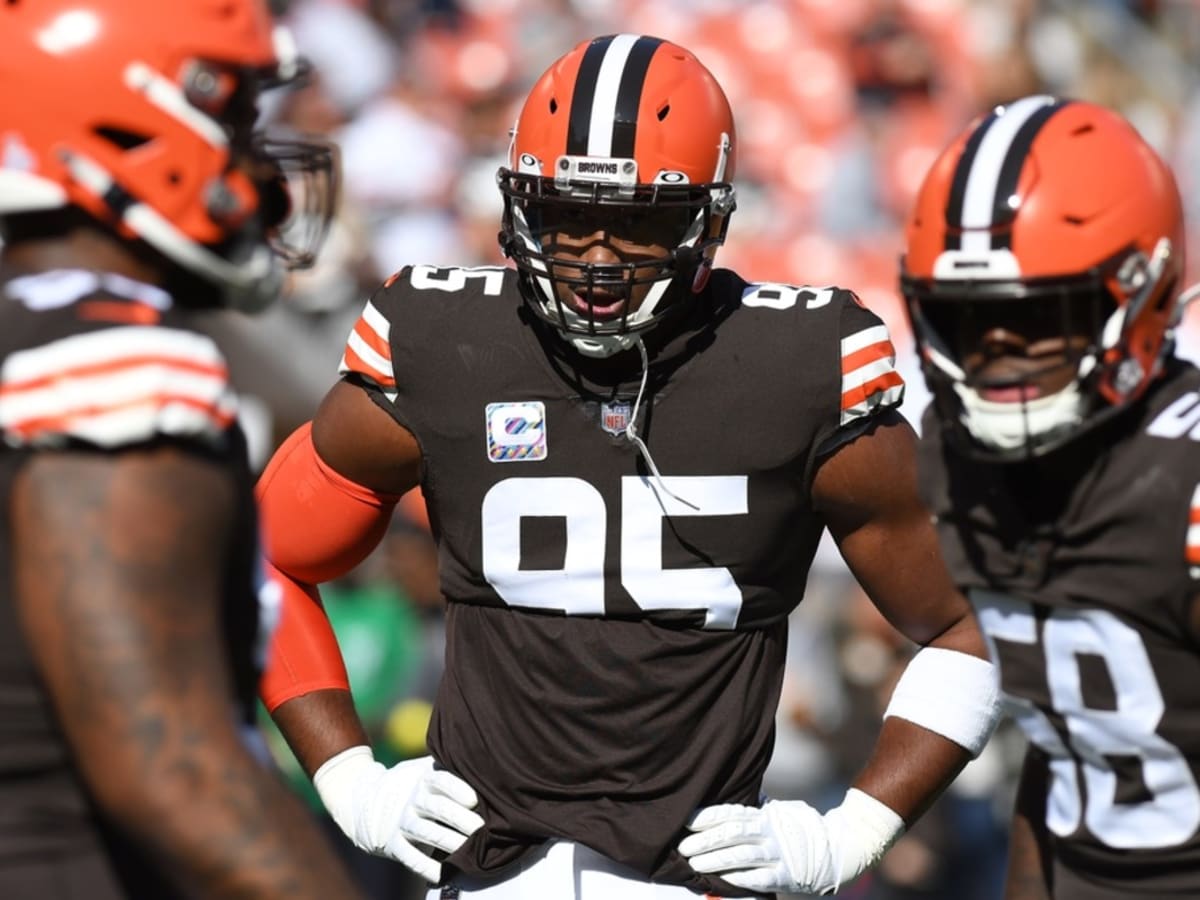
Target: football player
(1042, 275)
(629, 457)
(135, 190)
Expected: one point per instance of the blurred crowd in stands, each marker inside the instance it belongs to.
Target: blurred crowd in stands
(840, 105)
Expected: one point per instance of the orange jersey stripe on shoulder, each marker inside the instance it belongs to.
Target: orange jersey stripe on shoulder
(64, 424)
(113, 366)
(352, 362)
(118, 311)
(372, 339)
(858, 358)
(368, 350)
(884, 382)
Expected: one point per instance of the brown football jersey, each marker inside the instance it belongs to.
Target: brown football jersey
(96, 363)
(616, 640)
(1084, 568)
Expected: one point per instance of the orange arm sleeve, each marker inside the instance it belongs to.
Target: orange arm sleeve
(303, 655)
(317, 525)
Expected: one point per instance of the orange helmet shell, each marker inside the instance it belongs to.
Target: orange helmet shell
(623, 123)
(1071, 195)
(1041, 200)
(662, 108)
(79, 77)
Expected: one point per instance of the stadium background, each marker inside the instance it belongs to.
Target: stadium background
(840, 105)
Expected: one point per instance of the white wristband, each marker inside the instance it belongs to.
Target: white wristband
(954, 694)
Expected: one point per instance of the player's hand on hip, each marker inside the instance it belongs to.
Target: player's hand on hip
(787, 846)
(405, 813)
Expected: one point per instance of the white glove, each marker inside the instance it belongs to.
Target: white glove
(787, 846)
(388, 812)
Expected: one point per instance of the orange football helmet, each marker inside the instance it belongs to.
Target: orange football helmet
(633, 126)
(1058, 215)
(141, 114)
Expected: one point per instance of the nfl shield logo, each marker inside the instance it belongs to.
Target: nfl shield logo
(614, 416)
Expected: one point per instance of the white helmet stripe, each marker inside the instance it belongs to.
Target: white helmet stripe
(604, 100)
(979, 202)
(607, 95)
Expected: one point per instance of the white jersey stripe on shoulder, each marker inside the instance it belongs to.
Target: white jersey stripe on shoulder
(117, 386)
(874, 335)
(979, 196)
(886, 397)
(604, 100)
(377, 323)
(111, 388)
(140, 421)
(872, 370)
(378, 364)
(60, 358)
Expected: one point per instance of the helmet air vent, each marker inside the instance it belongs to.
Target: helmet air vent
(120, 137)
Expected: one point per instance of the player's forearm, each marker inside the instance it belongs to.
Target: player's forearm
(223, 826)
(118, 566)
(158, 749)
(910, 767)
(941, 714)
(319, 725)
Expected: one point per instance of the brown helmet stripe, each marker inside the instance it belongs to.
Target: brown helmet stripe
(579, 123)
(1003, 212)
(629, 95)
(988, 172)
(958, 187)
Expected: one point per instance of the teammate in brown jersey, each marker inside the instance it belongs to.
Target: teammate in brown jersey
(132, 193)
(628, 458)
(1042, 275)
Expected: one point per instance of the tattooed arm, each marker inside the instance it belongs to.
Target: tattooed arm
(118, 573)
